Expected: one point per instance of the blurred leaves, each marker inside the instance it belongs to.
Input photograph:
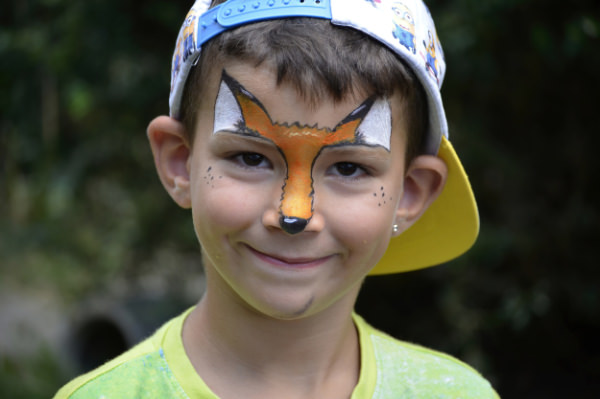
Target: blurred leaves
(80, 81)
(32, 380)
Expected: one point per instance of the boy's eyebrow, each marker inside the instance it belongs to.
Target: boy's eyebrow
(236, 135)
(239, 129)
(364, 150)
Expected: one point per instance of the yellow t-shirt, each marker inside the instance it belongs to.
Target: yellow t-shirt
(390, 369)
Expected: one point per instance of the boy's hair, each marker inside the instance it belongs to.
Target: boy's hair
(321, 61)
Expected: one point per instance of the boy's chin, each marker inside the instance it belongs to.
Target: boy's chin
(296, 306)
(283, 309)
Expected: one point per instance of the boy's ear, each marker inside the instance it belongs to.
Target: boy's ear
(171, 150)
(424, 181)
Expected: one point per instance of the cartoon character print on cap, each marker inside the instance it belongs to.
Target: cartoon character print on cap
(403, 21)
(431, 62)
(176, 62)
(237, 111)
(405, 26)
(185, 43)
(188, 34)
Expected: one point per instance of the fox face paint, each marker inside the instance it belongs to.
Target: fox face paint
(238, 111)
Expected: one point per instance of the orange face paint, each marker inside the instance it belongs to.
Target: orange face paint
(238, 111)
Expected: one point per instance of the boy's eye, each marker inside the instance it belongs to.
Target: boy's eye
(348, 169)
(252, 159)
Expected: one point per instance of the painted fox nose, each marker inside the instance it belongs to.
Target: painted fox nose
(292, 225)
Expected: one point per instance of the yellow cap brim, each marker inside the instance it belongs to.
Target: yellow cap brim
(445, 231)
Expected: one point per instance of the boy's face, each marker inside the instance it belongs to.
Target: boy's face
(261, 156)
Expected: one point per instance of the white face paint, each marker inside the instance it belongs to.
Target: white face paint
(228, 113)
(376, 126)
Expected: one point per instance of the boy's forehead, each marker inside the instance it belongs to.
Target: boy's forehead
(285, 103)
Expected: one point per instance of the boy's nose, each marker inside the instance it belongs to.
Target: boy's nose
(292, 225)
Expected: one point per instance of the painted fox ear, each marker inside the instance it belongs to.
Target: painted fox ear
(375, 117)
(228, 113)
(236, 107)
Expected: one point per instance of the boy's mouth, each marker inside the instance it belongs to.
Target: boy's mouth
(286, 261)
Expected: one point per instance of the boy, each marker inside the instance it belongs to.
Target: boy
(310, 143)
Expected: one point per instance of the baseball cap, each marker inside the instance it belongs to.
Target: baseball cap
(450, 225)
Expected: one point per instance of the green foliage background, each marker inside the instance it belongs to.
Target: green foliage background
(81, 207)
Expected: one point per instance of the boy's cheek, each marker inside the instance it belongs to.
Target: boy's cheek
(222, 202)
(361, 222)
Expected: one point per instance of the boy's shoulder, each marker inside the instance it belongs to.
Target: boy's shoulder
(403, 369)
(390, 368)
(141, 372)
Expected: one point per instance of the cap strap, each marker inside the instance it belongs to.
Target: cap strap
(239, 12)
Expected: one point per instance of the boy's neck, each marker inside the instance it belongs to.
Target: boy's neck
(239, 352)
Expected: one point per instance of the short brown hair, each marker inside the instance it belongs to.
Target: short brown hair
(321, 61)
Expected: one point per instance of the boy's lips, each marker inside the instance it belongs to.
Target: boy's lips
(286, 261)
